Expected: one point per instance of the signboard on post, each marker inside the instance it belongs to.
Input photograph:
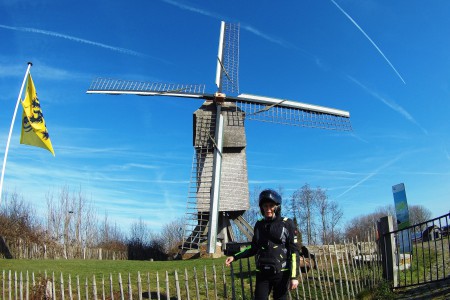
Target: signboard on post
(402, 213)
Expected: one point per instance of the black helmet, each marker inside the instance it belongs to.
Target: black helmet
(272, 196)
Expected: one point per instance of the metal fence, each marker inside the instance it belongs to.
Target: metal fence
(418, 254)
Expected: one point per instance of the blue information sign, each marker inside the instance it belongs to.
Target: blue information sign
(402, 213)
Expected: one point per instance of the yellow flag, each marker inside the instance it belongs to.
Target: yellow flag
(34, 130)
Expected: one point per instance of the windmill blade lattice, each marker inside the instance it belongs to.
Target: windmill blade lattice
(117, 86)
(293, 116)
(227, 77)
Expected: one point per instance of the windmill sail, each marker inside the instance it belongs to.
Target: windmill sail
(227, 75)
(293, 113)
(133, 87)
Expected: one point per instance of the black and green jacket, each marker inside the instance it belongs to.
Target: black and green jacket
(275, 239)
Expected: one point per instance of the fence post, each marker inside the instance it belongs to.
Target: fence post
(387, 246)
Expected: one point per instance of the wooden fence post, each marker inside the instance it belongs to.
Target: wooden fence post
(196, 284)
(53, 286)
(111, 289)
(215, 282)
(167, 286)
(387, 245)
(61, 285)
(186, 283)
(344, 267)
(86, 288)
(69, 287)
(139, 286)
(312, 274)
(177, 286)
(28, 287)
(121, 287)
(321, 263)
(103, 287)
(157, 286)
(148, 286)
(78, 288)
(21, 286)
(94, 288)
(206, 282)
(316, 265)
(15, 285)
(349, 266)
(130, 291)
(3, 284)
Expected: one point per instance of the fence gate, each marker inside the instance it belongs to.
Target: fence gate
(415, 255)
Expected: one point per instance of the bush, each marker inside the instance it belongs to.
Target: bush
(382, 291)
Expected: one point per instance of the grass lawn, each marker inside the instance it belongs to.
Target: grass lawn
(98, 268)
(152, 273)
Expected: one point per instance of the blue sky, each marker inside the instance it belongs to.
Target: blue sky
(387, 62)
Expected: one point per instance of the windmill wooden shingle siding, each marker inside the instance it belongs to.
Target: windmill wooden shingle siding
(234, 195)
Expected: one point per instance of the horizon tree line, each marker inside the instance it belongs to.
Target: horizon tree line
(72, 222)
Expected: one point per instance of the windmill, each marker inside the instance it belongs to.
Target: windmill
(218, 190)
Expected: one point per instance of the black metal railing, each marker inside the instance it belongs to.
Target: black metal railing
(421, 252)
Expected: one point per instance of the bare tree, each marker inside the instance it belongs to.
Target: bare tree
(360, 226)
(329, 216)
(418, 214)
(253, 213)
(110, 236)
(173, 236)
(335, 217)
(17, 218)
(322, 203)
(140, 233)
(303, 203)
(71, 220)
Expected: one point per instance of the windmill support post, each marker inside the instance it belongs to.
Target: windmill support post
(217, 165)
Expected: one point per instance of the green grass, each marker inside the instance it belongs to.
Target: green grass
(98, 268)
(428, 262)
(87, 269)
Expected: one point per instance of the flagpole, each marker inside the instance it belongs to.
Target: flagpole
(11, 130)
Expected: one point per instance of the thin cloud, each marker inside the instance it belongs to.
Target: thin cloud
(391, 104)
(219, 17)
(372, 174)
(194, 9)
(370, 40)
(72, 38)
(269, 38)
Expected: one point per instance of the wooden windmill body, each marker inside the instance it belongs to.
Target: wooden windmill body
(218, 191)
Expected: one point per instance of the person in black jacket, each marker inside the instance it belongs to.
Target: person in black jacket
(275, 248)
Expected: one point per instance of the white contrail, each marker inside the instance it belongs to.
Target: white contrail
(268, 38)
(391, 104)
(219, 17)
(194, 9)
(370, 40)
(72, 38)
(370, 175)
